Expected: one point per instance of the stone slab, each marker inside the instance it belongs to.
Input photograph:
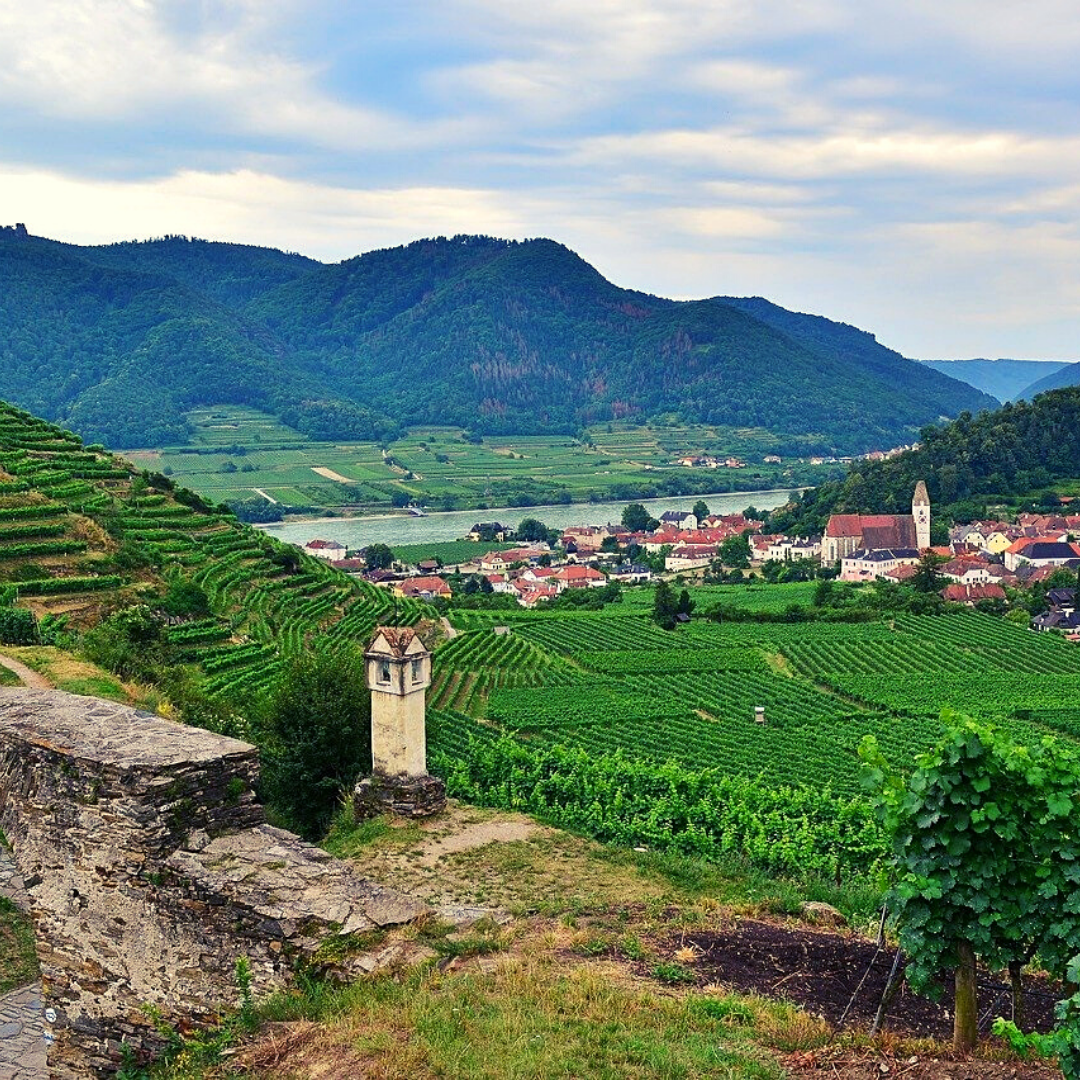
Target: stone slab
(106, 732)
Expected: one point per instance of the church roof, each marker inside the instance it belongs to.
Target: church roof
(889, 531)
(844, 525)
(921, 497)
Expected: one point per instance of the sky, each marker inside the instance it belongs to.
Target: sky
(911, 168)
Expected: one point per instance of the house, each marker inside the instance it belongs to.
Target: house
(1066, 621)
(577, 577)
(678, 519)
(325, 549)
(530, 593)
(488, 531)
(867, 565)
(423, 588)
(972, 594)
(381, 577)
(538, 573)
(631, 573)
(690, 557)
(1061, 599)
(662, 538)
(1040, 551)
(847, 533)
(349, 566)
(967, 571)
(500, 583)
(498, 561)
(783, 548)
(903, 572)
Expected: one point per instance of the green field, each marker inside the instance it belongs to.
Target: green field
(237, 452)
(616, 688)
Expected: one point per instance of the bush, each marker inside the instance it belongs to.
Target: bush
(18, 626)
(315, 737)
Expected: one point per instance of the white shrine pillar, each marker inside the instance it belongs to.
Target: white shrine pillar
(398, 674)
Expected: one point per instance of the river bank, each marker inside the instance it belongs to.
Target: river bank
(444, 526)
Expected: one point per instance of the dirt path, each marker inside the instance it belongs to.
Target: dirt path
(451, 632)
(29, 677)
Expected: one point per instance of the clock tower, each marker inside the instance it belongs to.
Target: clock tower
(920, 511)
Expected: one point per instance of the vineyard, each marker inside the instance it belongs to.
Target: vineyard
(81, 532)
(598, 720)
(514, 704)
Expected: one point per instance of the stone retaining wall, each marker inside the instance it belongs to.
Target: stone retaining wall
(151, 872)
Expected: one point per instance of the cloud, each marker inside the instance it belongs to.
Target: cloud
(227, 71)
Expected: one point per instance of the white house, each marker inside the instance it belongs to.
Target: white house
(329, 550)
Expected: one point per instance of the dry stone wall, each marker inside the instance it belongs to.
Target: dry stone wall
(151, 871)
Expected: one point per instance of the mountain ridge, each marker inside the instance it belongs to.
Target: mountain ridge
(500, 336)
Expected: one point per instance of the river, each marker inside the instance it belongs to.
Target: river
(392, 529)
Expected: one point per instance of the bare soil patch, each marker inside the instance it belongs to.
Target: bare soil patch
(824, 974)
(331, 475)
(876, 1065)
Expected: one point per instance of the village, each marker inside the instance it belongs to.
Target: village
(979, 563)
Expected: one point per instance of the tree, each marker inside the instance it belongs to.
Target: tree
(185, 599)
(532, 529)
(378, 557)
(986, 859)
(926, 578)
(637, 519)
(315, 737)
(735, 551)
(665, 606)
(684, 605)
(700, 511)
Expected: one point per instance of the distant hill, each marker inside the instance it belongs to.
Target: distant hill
(1007, 380)
(499, 336)
(1016, 452)
(1067, 375)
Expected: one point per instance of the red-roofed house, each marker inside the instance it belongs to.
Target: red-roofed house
(423, 588)
(325, 549)
(972, 594)
(690, 557)
(578, 577)
(531, 593)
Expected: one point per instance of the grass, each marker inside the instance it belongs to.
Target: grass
(241, 449)
(529, 1016)
(9, 678)
(452, 551)
(18, 960)
(67, 672)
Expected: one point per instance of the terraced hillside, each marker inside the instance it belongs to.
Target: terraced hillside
(82, 534)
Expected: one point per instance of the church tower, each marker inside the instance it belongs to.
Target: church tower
(398, 674)
(920, 511)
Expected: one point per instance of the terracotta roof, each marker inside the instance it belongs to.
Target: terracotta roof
(425, 584)
(969, 593)
(844, 525)
(578, 573)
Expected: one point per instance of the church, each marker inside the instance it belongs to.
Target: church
(847, 533)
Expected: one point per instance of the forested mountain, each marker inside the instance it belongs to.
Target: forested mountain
(1016, 451)
(499, 336)
(1007, 380)
(1068, 375)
